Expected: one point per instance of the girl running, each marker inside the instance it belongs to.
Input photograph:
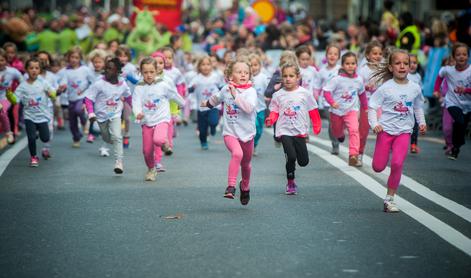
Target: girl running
(309, 74)
(326, 73)
(415, 77)
(240, 101)
(206, 84)
(34, 94)
(399, 100)
(343, 94)
(151, 107)
(104, 105)
(78, 78)
(8, 75)
(291, 108)
(373, 56)
(458, 96)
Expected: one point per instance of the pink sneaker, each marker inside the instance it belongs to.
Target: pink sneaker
(34, 162)
(90, 138)
(46, 154)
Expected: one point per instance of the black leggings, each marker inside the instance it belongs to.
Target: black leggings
(295, 149)
(31, 129)
(460, 123)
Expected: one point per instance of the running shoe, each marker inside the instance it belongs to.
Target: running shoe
(414, 148)
(291, 189)
(151, 175)
(34, 162)
(204, 146)
(104, 152)
(244, 195)
(90, 138)
(353, 160)
(118, 167)
(46, 154)
(159, 167)
(390, 206)
(230, 192)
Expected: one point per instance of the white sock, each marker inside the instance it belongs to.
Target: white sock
(389, 198)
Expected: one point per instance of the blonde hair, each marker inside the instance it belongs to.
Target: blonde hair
(382, 72)
(256, 57)
(288, 54)
(291, 65)
(230, 67)
(97, 53)
(332, 45)
(200, 61)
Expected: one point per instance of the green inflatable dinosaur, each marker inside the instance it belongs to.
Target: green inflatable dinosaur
(144, 39)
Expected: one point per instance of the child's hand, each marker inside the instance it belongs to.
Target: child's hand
(459, 90)
(268, 122)
(204, 103)
(377, 129)
(91, 117)
(139, 116)
(335, 105)
(437, 94)
(422, 129)
(277, 86)
(62, 88)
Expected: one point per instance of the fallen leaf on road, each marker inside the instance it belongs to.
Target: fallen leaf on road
(173, 217)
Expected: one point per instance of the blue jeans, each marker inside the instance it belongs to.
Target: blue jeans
(209, 118)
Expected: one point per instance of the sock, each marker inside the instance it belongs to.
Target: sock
(389, 198)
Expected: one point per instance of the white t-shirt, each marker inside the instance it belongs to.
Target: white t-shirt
(35, 100)
(397, 103)
(325, 75)
(153, 100)
(130, 71)
(7, 76)
(293, 108)
(455, 79)
(237, 122)
(205, 87)
(366, 73)
(107, 98)
(416, 78)
(78, 80)
(310, 79)
(260, 84)
(345, 91)
(176, 75)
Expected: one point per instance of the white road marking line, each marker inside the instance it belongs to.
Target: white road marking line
(440, 228)
(410, 183)
(8, 155)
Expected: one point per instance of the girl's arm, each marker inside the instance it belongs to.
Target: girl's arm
(271, 85)
(419, 113)
(272, 118)
(247, 104)
(330, 100)
(436, 87)
(137, 103)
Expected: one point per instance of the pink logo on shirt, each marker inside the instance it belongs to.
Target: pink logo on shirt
(399, 107)
(34, 102)
(292, 112)
(348, 96)
(206, 93)
(152, 104)
(232, 110)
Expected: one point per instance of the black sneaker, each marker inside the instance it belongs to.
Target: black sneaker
(230, 192)
(244, 195)
(454, 154)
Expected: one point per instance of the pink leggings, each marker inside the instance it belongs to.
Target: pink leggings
(4, 120)
(241, 156)
(398, 145)
(158, 151)
(350, 120)
(447, 127)
(153, 137)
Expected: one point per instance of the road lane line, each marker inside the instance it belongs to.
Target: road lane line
(446, 232)
(8, 155)
(412, 184)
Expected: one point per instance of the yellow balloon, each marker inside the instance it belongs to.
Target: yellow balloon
(265, 9)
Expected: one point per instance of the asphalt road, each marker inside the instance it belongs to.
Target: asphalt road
(73, 217)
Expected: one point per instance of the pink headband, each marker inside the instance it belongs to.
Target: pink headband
(160, 55)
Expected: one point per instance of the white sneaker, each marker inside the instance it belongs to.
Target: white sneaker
(359, 161)
(390, 206)
(104, 152)
(118, 167)
(159, 167)
(151, 175)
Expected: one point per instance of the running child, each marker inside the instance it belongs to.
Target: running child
(240, 100)
(309, 74)
(415, 77)
(458, 96)
(373, 56)
(34, 94)
(8, 75)
(326, 73)
(400, 100)
(291, 108)
(78, 78)
(343, 93)
(206, 84)
(151, 107)
(104, 103)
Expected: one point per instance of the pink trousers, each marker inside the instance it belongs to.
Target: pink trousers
(153, 138)
(158, 151)
(386, 144)
(4, 120)
(241, 156)
(349, 120)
